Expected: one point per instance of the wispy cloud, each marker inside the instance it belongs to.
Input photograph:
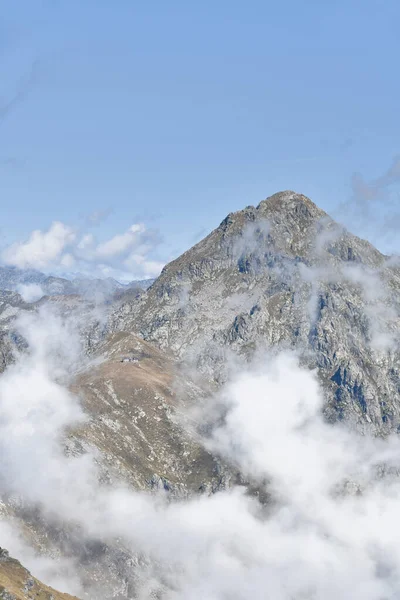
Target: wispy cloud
(372, 209)
(98, 216)
(376, 190)
(10, 162)
(24, 86)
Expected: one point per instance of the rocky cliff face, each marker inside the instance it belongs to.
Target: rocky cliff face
(284, 274)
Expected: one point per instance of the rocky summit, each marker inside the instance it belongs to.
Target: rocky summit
(279, 276)
(284, 275)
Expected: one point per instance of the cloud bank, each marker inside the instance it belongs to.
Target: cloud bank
(125, 256)
(328, 531)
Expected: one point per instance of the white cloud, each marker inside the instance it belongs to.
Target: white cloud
(86, 241)
(30, 292)
(120, 244)
(124, 256)
(67, 261)
(137, 261)
(41, 249)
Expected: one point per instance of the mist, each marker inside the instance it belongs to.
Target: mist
(327, 530)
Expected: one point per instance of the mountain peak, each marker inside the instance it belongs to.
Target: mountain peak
(287, 207)
(283, 272)
(293, 202)
(293, 221)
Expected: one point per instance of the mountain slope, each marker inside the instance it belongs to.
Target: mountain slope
(133, 398)
(16, 583)
(284, 274)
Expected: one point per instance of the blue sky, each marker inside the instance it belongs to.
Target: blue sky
(172, 114)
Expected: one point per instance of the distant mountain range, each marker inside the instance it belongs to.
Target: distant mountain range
(32, 284)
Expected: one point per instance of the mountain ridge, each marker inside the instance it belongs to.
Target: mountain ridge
(277, 259)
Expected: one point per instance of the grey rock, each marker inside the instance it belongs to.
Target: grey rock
(284, 275)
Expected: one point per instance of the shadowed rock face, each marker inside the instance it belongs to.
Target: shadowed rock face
(16, 583)
(284, 274)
